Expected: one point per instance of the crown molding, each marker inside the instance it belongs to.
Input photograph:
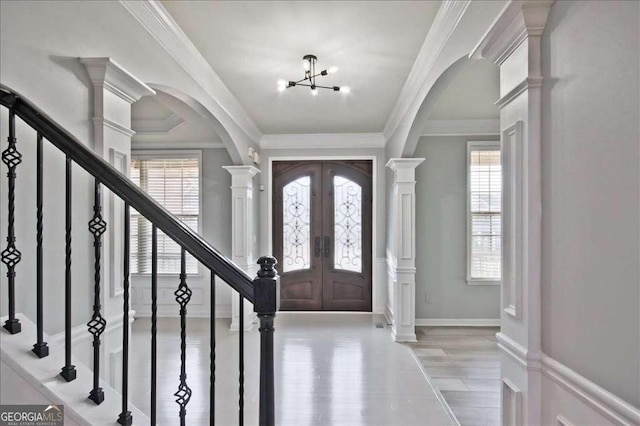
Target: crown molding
(106, 73)
(445, 22)
(489, 127)
(518, 20)
(157, 126)
(164, 29)
(141, 145)
(322, 140)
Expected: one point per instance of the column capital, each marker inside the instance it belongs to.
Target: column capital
(248, 171)
(242, 176)
(404, 169)
(107, 74)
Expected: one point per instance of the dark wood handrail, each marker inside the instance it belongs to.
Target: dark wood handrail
(124, 188)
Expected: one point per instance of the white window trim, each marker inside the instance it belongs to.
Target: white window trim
(476, 146)
(155, 154)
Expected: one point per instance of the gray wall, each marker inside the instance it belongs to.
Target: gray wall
(441, 241)
(590, 177)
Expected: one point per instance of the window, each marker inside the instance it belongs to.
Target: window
(174, 181)
(484, 223)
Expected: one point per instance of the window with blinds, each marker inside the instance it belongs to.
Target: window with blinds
(484, 212)
(173, 181)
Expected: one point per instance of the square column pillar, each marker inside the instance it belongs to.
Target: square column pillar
(513, 43)
(114, 90)
(402, 241)
(242, 235)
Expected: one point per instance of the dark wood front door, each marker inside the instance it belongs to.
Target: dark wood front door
(322, 234)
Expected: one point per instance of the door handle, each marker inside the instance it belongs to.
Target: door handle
(327, 248)
(318, 249)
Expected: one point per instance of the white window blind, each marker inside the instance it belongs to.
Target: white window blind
(174, 183)
(485, 212)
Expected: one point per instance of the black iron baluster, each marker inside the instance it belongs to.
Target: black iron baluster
(97, 324)
(154, 320)
(40, 348)
(11, 255)
(241, 362)
(266, 304)
(69, 370)
(183, 295)
(125, 418)
(212, 354)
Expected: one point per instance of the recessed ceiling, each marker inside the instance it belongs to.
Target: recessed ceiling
(251, 45)
(163, 119)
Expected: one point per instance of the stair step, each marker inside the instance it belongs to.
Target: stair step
(43, 376)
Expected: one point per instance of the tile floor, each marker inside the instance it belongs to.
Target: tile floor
(464, 364)
(331, 370)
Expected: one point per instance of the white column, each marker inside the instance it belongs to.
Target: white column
(513, 42)
(242, 235)
(114, 90)
(402, 277)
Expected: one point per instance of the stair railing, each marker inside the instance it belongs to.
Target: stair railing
(263, 291)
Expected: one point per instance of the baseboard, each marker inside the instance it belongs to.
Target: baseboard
(601, 401)
(455, 322)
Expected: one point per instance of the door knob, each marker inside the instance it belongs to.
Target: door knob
(318, 249)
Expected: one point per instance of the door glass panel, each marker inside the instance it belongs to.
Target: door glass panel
(296, 224)
(347, 224)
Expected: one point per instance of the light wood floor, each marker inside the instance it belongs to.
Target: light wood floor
(464, 364)
(330, 369)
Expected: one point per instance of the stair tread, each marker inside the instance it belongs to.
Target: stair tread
(43, 375)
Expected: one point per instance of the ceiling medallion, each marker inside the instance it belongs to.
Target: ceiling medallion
(309, 80)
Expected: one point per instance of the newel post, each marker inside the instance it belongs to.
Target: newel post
(266, 304)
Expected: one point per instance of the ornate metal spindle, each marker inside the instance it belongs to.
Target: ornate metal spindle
(154, 320)
(212, 354)
(266, 304)
(97, 324)
(40, 348)
(241, 363)
(183, 295)
(125, 418)
(69, 370)
(11, 255)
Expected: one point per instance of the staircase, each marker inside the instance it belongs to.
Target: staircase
(51, 369)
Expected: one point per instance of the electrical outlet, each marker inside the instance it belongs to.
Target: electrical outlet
(427, 297)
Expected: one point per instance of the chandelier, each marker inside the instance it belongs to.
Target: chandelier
(309, 80)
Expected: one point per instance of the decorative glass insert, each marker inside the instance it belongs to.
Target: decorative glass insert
(296, 224)
(347, 224)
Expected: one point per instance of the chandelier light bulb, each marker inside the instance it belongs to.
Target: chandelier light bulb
(345, 89)
(306, 64)
(282, 88)
(333, 70)
(282, 83)
(314, 92)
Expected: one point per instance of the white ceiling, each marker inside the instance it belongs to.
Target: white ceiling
(251, 45)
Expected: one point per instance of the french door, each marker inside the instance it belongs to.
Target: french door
(322, 234)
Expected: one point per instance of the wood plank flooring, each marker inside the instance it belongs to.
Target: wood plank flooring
(331, 369)
(463, 363)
